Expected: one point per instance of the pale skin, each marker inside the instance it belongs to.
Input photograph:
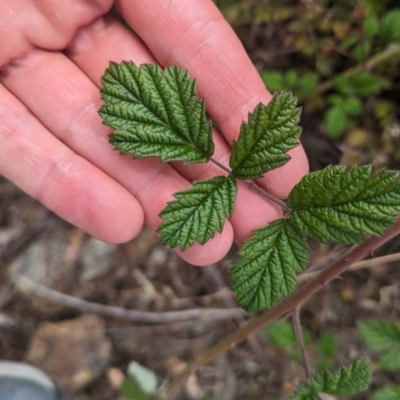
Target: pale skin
(54, 147)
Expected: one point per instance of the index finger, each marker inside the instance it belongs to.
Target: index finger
(195, 36)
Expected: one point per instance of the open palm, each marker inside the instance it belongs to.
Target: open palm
(52, 142)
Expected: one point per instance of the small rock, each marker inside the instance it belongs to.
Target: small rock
(96, 259)
(73, 352)
(43, 260)
(158, 256)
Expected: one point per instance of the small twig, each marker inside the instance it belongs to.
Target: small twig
(25, 284)
(299, 336)
(263, 193)
(373, 262)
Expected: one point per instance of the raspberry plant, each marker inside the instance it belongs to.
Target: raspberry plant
(158, 113)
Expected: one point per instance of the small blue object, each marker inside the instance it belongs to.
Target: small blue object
(20, 381)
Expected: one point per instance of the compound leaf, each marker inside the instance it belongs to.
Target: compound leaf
(155, 113)
(266, 271)
(344, 382)
(270, 132)
(345, 205)
(198, 212)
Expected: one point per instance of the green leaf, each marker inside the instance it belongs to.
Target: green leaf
(335, 99)
(306, 84)
(365, 83)
(391, 359)
(305, 392)
(349, 42)
(282, 335)
(327, 345)
(362, 83)
(290, 78)
(276, 81)
(345, 205)
(371, 26)
(273, 80)
(198, 212)
(387, 393)
(145, 377)
(155, 113)
(270, 132)
(362, 50)
(344, 382)
(390, 25)
(383, 336)
(266, 271)
(335, 120)
(379, 334)
(131, 389)
(342, 84)
(352, 106)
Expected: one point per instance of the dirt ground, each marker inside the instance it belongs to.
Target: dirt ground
(87, 354)
(144, 275)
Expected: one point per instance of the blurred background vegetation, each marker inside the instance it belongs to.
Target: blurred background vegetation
(341, 59)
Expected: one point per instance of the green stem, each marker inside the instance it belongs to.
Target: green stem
(263, 193)
(286, 306)
(363, 66)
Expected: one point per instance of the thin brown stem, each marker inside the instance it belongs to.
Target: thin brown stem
(371, 263)
(286, 306)
(263, 193)
(218, 164)
(299, 336)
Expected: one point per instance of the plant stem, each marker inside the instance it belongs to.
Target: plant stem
(266, 195)
(286, 306)
(299, 336)
(362, 66)
(218, 164)
(263, 193)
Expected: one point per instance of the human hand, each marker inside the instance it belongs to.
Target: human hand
(54, 147)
